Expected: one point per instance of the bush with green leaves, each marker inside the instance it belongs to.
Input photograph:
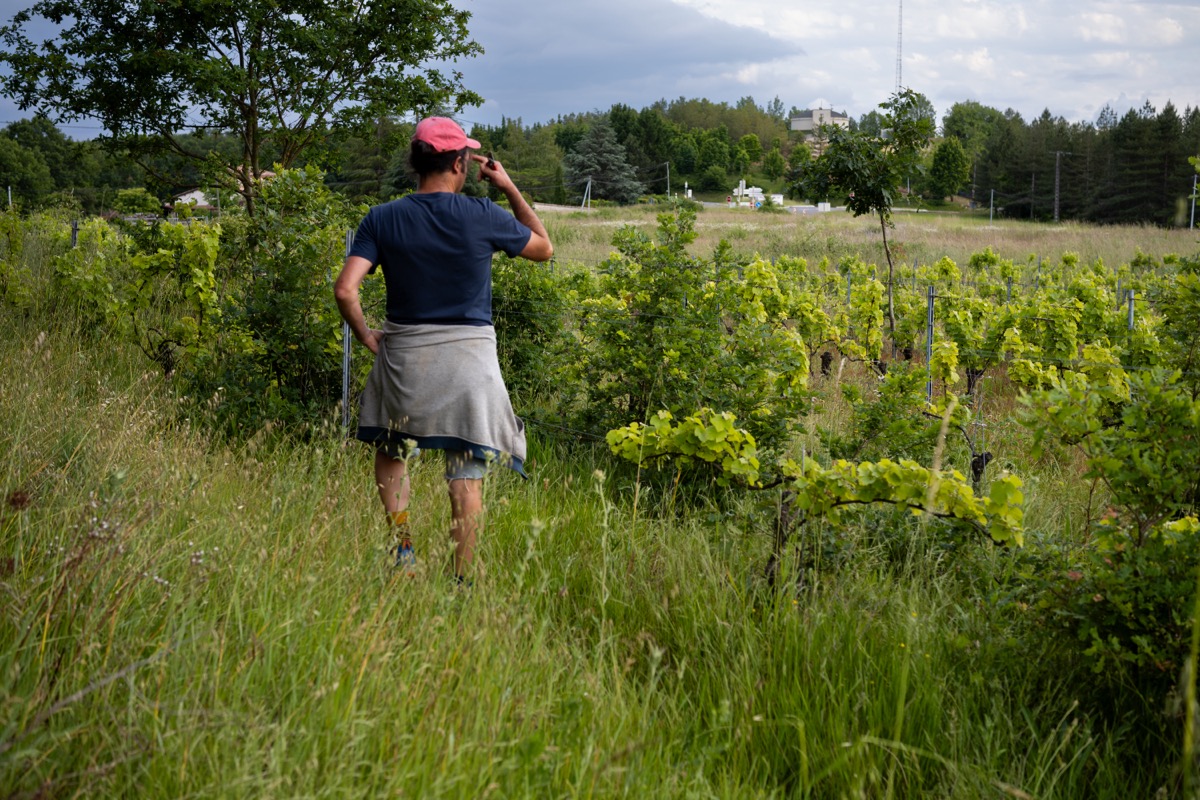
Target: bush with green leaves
(137, 201)
(1126, 597)
(671, 331)
(533, 309)
(887, 419)
(1179, 305)
(277, 355)
(811, 491)
(14, 275)
(89, 277)
(153, 285)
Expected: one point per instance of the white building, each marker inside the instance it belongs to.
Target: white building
(195, 198)
(809, 123)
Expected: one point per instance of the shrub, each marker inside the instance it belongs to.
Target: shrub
(277, 355)
(533, 306)
(87, 276)
(713, 179)
(136, 201)
(1126, 599)
(670, 331)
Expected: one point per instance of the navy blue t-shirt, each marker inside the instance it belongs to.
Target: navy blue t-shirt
(436, 252)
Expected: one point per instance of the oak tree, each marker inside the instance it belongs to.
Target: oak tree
(285, 78)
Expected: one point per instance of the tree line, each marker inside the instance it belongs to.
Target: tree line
(1126, 169)
(213, 95)
(1122, 169)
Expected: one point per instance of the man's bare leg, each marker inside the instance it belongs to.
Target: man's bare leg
(391, 478)
(466, 507)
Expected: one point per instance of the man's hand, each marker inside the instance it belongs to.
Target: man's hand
(493, 172)
(539, 247)
(373, 340)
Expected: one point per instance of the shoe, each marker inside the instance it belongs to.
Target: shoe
(406, 559)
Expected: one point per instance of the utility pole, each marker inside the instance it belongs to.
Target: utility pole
(1193, 223)
(1058, 154)
(992, 207)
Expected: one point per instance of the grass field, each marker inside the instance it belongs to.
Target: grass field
(927, 236)
(187, 618)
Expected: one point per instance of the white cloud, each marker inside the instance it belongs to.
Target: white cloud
(978, 61)
(990, 22)
(748, 74)
(1111, 59)
(803, 21)
(1070, 56)
(1101, 28)
(1166, 31)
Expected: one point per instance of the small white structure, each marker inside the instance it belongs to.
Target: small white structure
(196, 198)
(747, 195)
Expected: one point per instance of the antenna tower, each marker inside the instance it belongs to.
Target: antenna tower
(899, 44)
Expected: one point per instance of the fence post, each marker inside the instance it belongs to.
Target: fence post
(1037, 281)
(849, 283)
(346, 353)
(1009, 299)
(929, 347)
(1130, 296)
(74, 233)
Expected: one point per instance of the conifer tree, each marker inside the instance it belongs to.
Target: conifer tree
(600, 158)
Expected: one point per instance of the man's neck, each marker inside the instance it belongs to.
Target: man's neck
(437, 182)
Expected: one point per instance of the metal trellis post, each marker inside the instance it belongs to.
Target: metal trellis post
(929, 347)
(346, 353)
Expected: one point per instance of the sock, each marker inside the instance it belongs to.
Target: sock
(399, 519)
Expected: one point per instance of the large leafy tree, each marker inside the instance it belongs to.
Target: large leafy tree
(972, 123)
(951, 168)
(24, 172)
(283, 77)
(868, 170)
(70, 163)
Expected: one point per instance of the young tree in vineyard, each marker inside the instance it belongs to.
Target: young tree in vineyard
(868, 171)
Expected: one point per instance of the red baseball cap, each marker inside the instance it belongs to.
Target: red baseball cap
(443, 134)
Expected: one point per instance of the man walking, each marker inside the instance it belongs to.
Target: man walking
(436, 381)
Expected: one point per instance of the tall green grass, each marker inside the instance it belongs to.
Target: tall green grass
(186, 618)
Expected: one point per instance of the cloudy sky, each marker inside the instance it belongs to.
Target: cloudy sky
(547, 57)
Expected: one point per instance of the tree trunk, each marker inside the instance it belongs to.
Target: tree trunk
(887, 251)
